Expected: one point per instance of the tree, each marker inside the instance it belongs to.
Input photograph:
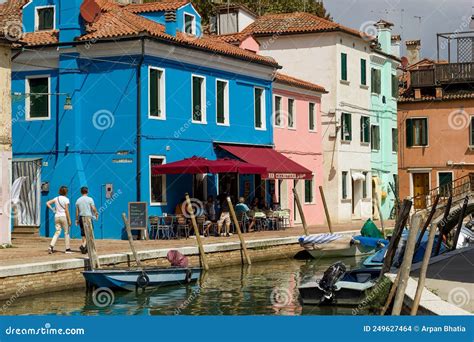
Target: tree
(261, 7)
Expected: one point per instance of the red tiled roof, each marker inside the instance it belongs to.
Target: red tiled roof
(120, 22)
(40, 38)
(296, 82)
(297, 22)
(164, 5)
(234, 38)
(461, 95)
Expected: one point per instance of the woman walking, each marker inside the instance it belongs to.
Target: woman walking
(62, 218)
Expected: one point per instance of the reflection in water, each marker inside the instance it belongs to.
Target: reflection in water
(269, 288)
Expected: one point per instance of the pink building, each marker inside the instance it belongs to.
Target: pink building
(298, 135)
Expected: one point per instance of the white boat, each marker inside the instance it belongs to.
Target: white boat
(338, 245)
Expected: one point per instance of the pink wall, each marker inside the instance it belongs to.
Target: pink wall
(250, 44)
(302, 146)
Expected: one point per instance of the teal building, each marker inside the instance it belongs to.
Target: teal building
(383, 122)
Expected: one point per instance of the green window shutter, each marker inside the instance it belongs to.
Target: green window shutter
(349, 125)
(424, 135)
(197, 99)
(363, 72)
(379, 81)
(221, 90)
(346, 124)
(343, 66)
(39, 104)
(362, 129)
(277, 110)
(364, 186)
(394, 140)
(344, 184)
(45, 18)
(471, 142)
(291, 111)
(394, 86)
(258, 108)
(308, 191)
(409, 132)
(154, 93)
(311, 117)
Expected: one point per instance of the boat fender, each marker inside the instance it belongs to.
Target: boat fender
(143, 280)
(189, 275)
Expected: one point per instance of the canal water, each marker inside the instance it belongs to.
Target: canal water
(269, 288)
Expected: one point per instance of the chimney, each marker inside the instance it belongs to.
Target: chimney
(413, 51)
(70, 21)
(384, 35)
(170, 23)
(396, 45)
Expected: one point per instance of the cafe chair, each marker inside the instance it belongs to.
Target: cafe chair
(154, 222)
(165, 227)
(182, 226)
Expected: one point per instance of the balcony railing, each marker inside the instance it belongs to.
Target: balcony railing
(443, 74)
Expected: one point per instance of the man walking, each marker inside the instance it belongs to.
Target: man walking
(85, 208)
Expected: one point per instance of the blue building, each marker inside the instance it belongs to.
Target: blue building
(106, 92)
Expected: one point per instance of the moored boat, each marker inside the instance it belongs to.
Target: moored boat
(338, 245)
(133, 279)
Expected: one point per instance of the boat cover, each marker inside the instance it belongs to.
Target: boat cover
(318, 239)
(371, 242)
(369, 229)
(177, 259)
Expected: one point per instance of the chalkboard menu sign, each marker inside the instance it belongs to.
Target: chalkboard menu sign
(138, 215)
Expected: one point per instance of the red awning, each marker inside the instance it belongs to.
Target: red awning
(278, 166)
(196, 165)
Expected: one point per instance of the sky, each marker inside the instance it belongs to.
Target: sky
(437, 16)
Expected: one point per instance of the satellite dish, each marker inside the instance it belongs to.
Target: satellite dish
(404, 62)
(90, 11)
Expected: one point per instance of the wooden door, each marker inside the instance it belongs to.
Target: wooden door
(421, 188)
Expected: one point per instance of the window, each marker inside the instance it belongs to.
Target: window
(44, 18)
(157, 183)
(445, 182)
(417, 132)
(471, 132)
(343, 66)
(344, 184)
(394, 140)
(346, 127)
(364, 129)
(394, 86)
(364, 185)
(375, 137)
(222, 99)
(376, 81)
(312, 117)
(259, 103)
(308, 191)
(291, 113)
(38, 102)
(278, 122)
(199, 99)
(363, 72)
(156, 93)
(189, 24)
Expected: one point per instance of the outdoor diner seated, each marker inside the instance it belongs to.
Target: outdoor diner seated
(213, 218)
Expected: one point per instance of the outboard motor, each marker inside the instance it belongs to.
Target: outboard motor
(328, 283)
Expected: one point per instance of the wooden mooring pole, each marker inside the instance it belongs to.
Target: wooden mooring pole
(90, 240)
(428, 221)
(239, 232)
(326, 210)
(405, 268)
(202, 253)
(130, 240)
(442, 224)
(379, 209)
(300, 210)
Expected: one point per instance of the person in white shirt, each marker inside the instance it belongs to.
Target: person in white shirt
(62, 218)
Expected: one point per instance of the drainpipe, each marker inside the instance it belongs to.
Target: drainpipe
(139, 121)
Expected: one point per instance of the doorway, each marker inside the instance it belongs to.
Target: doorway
(229, 184)
(421, 188)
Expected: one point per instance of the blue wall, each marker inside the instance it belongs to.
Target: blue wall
(103, 123)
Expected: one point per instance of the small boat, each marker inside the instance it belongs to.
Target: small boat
(339, 246)
(338, 286)
(133, 279)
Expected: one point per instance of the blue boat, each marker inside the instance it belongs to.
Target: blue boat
(133, 279)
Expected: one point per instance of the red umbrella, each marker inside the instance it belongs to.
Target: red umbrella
(194, 165)
(236, 166)
(197, 165)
